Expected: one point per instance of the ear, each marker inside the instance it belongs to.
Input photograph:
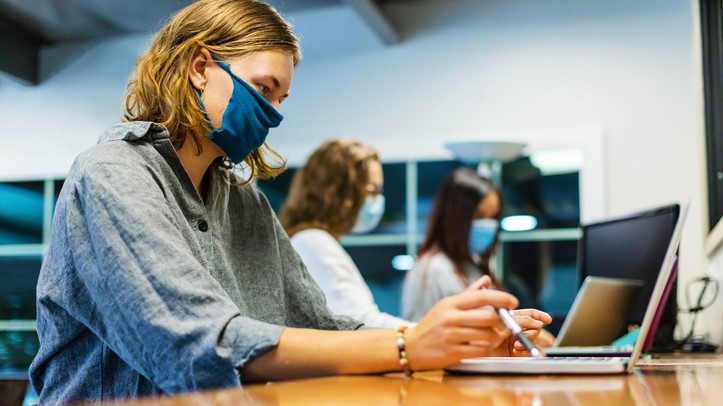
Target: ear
(197, 68)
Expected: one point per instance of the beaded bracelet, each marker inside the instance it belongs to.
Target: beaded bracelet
(401, 343)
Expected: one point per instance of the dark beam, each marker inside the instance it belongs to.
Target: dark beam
(19, 52)
(370, 12)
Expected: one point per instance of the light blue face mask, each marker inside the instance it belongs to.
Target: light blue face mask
(370, 214)
(482, 235)
(246, 121)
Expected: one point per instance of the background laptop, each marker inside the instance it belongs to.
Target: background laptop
(599, 313)
(620, 350)
(594, 365)
(631, 246)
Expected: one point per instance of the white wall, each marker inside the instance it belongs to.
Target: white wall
(712, 317)
(44, 127)
(464, 68)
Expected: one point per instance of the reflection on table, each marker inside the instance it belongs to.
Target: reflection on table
(666, 381)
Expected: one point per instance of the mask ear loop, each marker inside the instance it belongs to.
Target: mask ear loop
(199, 97)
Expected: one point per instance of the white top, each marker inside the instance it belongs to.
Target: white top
(432, 278)
(337, 275)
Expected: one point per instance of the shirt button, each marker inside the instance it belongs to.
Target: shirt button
(202, 225)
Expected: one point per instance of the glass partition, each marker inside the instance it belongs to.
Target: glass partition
(21, 212)
(394, 220)
(430, 176)
(542, 275)
(18, 339)
(375, 265)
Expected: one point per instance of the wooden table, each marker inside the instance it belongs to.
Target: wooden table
(668, 380)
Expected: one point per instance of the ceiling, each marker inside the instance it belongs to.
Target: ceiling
(26, 26)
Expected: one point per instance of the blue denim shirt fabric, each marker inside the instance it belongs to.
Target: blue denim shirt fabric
(146, 289)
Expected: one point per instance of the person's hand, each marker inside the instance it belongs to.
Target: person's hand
(460, 326)
(546, 339)
(531, 321)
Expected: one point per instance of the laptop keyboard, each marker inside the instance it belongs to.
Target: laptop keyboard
(600, 359)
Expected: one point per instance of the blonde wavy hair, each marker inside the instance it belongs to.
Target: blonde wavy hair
(330, 189)
(161, 91)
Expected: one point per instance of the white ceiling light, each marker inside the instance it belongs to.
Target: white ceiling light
(519, 223)
(403, 262)
(559, 161)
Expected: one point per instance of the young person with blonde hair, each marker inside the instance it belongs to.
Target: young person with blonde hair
(338, 191)
(166, 272)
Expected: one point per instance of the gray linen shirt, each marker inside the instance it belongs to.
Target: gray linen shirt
(147, 289)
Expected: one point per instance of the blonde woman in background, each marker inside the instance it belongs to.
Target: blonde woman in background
(338, 191)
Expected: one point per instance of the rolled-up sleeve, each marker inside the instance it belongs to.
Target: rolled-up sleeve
(143, 291)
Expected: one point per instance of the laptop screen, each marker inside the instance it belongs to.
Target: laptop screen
(631, 247)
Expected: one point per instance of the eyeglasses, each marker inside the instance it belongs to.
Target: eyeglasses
(375, 190)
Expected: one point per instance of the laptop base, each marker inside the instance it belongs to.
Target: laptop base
(604, 351)
(551, 365)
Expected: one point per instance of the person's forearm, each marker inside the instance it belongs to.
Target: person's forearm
(440, 339)
(303, 353)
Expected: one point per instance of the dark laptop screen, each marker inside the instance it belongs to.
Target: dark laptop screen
(632, 247)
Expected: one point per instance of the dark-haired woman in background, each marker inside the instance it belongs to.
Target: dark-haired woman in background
(460, 241)
(459, 246)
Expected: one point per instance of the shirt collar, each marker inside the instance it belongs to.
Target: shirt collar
(134, 130)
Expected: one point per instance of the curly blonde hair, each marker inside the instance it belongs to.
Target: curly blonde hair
(161, 91)
(330, 189)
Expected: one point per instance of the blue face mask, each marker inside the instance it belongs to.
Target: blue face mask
(246, 121)
(482, 235)
(370, 214)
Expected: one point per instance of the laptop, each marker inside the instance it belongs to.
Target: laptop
(631, 247)
(614, 350)
(648, 344)
(586, 365)
(599, 313)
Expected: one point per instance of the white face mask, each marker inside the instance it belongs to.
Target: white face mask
(370, 214)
